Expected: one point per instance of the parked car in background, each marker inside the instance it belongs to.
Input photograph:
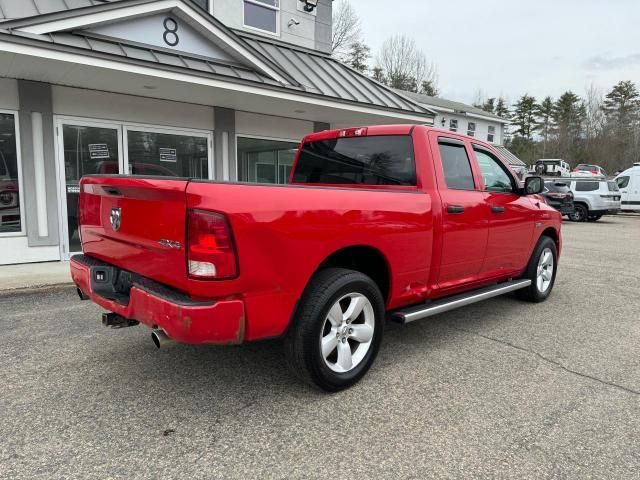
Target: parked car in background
(628, 182)
(592, 199)
(587, 170)
(559, 196)
(553, 167)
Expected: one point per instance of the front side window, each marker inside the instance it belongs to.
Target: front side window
(10, 221)
(169, 155)
(265, 161)
(491, 135)
(453, 125)
(456, 166)
(471, 129)
(623, 182)
(375, 160)
(262, 14)
(495, 177)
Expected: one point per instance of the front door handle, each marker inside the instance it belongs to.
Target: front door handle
(455, 209)
(497, 209)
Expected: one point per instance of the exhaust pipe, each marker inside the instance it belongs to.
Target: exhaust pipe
(114, 320)
(159, 337)
(81, 294)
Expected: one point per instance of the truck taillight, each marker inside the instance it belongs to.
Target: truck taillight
(353, 132)
(211, 253)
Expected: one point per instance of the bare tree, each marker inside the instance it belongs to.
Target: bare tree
(405, 66)
(595, 118)
(346, 28)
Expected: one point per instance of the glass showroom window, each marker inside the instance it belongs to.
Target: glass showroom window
(164, 154)
(265, 161)
(10, 221)
(262, 15)
(202, 4)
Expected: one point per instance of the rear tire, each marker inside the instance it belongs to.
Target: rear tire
(580, 213)
(337, 329)
(541, 270)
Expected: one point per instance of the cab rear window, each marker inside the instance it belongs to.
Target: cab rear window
(374, 160)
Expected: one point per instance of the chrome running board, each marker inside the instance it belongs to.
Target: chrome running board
(442, 305)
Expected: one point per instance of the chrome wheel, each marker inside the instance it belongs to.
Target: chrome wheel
(347, 332)
(545, 270)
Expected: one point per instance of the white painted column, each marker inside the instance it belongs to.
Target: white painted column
(39, 171)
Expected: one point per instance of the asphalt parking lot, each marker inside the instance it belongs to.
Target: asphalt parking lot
(502, 389)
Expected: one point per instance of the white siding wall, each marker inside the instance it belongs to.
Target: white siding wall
(482, 126)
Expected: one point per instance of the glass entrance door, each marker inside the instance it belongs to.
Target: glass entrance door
(84, 149)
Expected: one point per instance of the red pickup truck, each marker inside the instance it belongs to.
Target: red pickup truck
(401, 221)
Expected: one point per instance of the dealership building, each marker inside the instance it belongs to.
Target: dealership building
(221, 89)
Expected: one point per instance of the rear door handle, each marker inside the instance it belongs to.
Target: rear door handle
(497, 209)
(455, 209)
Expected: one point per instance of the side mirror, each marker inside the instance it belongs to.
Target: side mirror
(533, 185)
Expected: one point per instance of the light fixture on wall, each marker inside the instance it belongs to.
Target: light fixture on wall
(443, 121)
(309, 5)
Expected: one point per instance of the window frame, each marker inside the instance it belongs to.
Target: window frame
(16, 123)
(263, 5)
(471, 132)
(262, 137)
(514, 183)
(491, 135)
(455, 142)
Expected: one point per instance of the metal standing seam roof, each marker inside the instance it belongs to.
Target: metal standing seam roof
(510, 157)
(458, 107)
(306, 71)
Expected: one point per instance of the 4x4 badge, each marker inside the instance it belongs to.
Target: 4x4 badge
(115, 218)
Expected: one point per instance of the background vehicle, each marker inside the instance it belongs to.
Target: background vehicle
(559, 196)
(403, 219)
(553, 167)
(586, 170)
(593, 199)
(629, 184)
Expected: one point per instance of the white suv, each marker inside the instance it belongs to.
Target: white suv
(593, 198)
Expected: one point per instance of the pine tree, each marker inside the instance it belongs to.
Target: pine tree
(622, 105)
(378, 74)
(544, 122)
(489, 105)
(502, 110)
(568, 117)
(429, 87)
(358, 56)
(524, 116)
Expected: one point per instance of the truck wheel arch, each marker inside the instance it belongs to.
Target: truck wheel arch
(364, 259)
(552, 234)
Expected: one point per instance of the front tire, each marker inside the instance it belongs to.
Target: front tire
(541, 270)
(337, 329)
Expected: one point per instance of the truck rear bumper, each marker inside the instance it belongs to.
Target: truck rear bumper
(182, 318)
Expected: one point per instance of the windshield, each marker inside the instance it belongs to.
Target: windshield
(613, 186)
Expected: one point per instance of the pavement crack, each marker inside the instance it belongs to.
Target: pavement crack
(550, 361)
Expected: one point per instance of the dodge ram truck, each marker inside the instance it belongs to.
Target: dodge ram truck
(383, 222)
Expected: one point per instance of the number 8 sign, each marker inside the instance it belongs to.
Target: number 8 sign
(170, 35)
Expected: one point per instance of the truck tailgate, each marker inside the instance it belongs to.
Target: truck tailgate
(137, 224)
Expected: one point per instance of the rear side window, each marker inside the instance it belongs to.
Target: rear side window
(456, 166)
(381, 160)
(557, 187)
(587, 186)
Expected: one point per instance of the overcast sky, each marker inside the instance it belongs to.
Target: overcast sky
(511, 47)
